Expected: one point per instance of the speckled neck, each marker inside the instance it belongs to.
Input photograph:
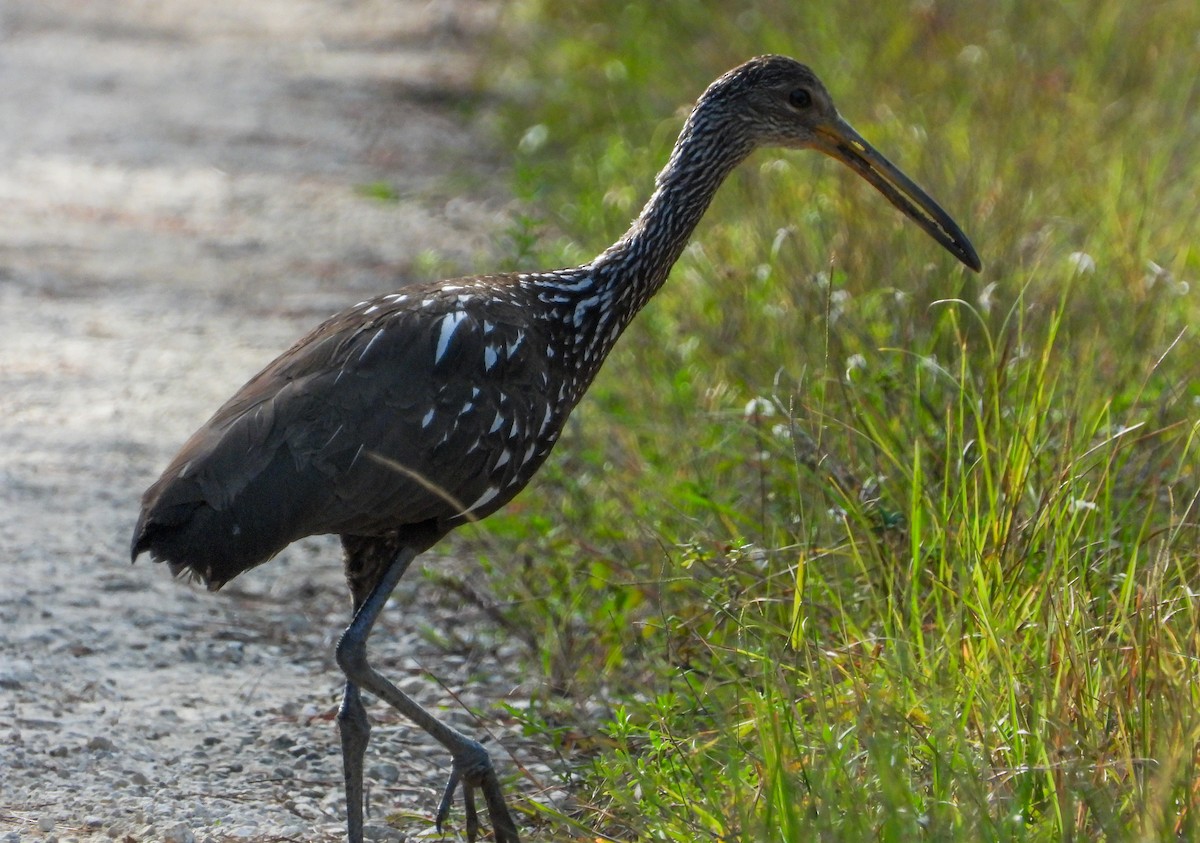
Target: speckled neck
(708, 149)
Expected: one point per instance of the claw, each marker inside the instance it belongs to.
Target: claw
(443, 810)
(474, 771)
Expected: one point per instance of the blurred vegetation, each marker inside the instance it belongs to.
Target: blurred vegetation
(850, 542)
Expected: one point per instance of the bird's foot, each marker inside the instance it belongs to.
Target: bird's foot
(472, 768)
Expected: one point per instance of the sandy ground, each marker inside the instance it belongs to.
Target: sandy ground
(177, 204)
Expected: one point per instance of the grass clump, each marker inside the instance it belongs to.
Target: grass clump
(853, 544)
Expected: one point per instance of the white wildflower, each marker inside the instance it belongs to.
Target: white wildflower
(971, 55)
(758, 408)
(535, 138)
(985, 297)
(1081, 263)
(854, 363)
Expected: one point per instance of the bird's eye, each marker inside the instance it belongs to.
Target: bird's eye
(800, 98)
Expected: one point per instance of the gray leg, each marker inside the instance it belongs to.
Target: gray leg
(355, 730)
(471, 764)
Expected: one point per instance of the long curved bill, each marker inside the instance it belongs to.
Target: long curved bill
(839, 140)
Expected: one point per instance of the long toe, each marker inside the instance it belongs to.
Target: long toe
(473, 770)
(471, 816)
(502, 822)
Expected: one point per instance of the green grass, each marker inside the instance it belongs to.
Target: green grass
(851, 543)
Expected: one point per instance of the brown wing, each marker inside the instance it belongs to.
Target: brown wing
(404, 413)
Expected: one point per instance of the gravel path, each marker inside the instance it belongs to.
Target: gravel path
(177, 204)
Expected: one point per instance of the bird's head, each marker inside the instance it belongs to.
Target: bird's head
(777, 101)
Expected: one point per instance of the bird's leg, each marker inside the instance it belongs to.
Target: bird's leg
(471, 764)
(355, 730)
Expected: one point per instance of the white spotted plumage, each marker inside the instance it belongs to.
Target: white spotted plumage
(450, 323)
(488, 495)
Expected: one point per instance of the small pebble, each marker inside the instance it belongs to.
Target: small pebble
(384, 772)
(99, 743)
(179, 834)
(557, 798)
(45, 824)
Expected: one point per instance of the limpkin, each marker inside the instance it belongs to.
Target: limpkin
(412, 413)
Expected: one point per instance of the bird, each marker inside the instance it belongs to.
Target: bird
(412, 413)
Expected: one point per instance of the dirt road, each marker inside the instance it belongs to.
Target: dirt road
(180, 198)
